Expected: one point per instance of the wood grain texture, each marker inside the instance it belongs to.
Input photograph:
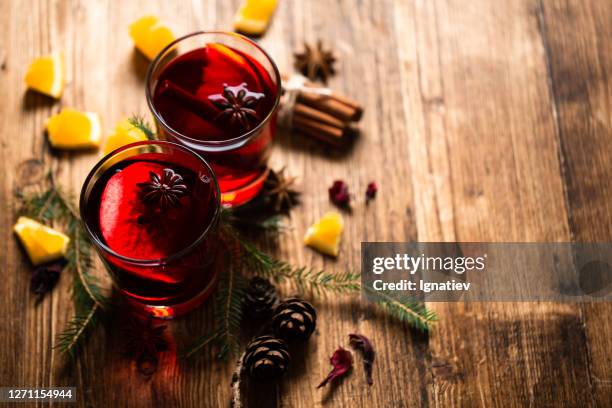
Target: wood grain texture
(484, 121)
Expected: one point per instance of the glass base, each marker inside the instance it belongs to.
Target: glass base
(245, 193)
(168, 312)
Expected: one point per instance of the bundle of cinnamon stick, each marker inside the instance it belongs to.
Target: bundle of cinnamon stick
(328, 117)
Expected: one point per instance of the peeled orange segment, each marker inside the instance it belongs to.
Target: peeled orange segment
(324, 235)
(125, 133)
(150, 36)
(71, 129)
(254, 16)
(43, 244)
(46, 75)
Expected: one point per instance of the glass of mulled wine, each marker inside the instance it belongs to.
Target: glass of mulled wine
(151, 209)
(218, 93)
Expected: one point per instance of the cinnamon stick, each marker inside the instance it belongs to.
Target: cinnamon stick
(317, 129)
(329, 104)
(307, 112)
(188, 100)
(340, 107)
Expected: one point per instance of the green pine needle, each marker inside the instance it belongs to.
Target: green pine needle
(141, 123)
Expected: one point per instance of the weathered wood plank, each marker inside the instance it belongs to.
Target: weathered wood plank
(579, 51)
(484, 166)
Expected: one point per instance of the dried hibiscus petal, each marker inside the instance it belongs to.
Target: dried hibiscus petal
(45, 277)
(342, 360)
(339, 194)
(363, 344)
(371, 191)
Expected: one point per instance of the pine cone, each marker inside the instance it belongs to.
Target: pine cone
(260, 298)
(294, 319)
(266, 358)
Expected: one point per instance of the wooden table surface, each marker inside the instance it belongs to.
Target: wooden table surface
(484, 121)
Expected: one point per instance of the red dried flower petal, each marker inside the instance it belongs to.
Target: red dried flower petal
(362, 343)
(46, 276)
(339, 194)
(371, 191)
(342, 360)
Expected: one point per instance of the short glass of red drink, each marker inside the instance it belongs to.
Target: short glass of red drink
(218, 93)
(151, 209)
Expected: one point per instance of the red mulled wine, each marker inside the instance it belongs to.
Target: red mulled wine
(153, 215)
(220, 100)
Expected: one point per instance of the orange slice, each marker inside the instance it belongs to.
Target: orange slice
(46, 75)
(125, 133)
(150, 36)
(43, 244)
(254, 16)
(324, 235)
(71, 129)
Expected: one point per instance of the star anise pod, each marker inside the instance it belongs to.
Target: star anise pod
(315, 62)
(164, 190)
(278, 189)
(237, 104)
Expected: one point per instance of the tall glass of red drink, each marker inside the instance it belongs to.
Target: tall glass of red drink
(218, 94)
(151, 209)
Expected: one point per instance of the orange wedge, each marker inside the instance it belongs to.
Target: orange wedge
(43, 244)
(46, 75)
(254, 16)
(71, 129)
(324, 235)
(125, 133)
(150, 36)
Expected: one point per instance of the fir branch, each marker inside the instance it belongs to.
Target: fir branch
(141, 123)
(406, 310)
(229, 300)
(200, 343)
(76, 330)
(317, 281)
(228, 309)
(80, 260)
(241, 219)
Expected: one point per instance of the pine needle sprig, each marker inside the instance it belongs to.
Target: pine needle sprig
(318, 281)
(200, 343)
(76, 330)
(53, 205)
(229, 303)
(405, 309)
(273, 223)
(139, 122)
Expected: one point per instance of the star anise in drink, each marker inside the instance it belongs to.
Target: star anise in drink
(163, 190)
(237, 104)
(315, 61)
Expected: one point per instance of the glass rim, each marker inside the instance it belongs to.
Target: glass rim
(212, 143)
(149, 262)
